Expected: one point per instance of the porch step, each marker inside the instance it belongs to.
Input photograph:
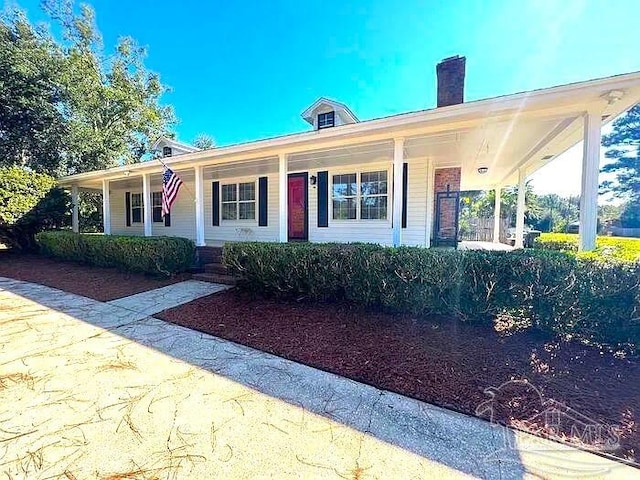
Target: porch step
(209, 255)
(215, 278)
(216, 267)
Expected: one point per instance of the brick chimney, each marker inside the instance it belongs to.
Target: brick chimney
(450, 72)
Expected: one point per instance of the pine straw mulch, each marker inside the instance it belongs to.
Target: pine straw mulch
(438, 360)
(101, 284)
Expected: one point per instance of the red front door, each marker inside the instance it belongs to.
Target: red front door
(297, 199)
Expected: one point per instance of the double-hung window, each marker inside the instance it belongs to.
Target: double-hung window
(345, 193)
(361, 196)
(156, 205)
(239, 201)
(373, 195)
(136, 208)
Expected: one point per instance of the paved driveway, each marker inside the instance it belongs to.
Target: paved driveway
(92, 390)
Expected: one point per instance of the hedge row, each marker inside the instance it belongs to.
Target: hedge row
(554, 292)
(607, 248)
(155, 255)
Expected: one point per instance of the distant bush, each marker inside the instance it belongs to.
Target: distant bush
(155, 255)
(620, 248)
(29, 203)
(592, 301)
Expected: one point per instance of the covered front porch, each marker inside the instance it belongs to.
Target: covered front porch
(378, 181)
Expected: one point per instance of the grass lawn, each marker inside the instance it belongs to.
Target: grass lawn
(102, 284)
(438, 360)
(622, 248)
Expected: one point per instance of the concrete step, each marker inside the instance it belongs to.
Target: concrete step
(216, 268)
(215, 278)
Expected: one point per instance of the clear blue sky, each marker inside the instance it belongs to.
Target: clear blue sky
(242, 70)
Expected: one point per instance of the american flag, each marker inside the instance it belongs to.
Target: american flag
(170, 185)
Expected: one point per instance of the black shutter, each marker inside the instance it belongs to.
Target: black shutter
(262, 201)
(323, 199)
(216, 203)
(405, 174)
(167, 220)
(127, 207)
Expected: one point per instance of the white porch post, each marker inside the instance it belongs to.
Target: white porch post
(430, 202)
(398, 159)
(106, 208)
(282, 198)
(75, 219)
(522, 184)
(496, 215)
(146, 204)
(589, 188)
(199, 206)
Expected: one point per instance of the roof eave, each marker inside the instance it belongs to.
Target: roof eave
(478, 110)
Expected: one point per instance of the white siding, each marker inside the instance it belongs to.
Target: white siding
(242, 230)
(183, 223)
(370, 231)
(118, 214)
(415, 233)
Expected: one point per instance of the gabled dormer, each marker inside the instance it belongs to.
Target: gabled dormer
(325, 113)
(168, 147)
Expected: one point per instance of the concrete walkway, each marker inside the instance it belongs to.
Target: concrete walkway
(160, 299)
(92, 390)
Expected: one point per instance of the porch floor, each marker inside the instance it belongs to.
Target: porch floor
(473, 245)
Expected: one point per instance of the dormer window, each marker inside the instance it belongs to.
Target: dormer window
(166, 151)
(326, 120)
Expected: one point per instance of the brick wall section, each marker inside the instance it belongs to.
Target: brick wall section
(446, 177)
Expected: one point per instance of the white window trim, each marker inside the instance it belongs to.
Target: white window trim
(358, 169)
(237, 182)
(141, 207)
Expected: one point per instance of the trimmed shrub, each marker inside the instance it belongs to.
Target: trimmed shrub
(592, 301)
(154, 255)
(607, 248)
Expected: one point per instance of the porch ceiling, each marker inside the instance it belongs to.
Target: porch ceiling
(500, 146)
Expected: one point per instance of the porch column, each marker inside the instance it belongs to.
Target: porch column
(398, 159)
(522, 188)
(199, 206)
(146, 204)
(589, 187)
(106, 208)
(496, 215)
(282, 198)
(75, 218)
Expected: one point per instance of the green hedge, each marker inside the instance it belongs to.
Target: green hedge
(155, 255)
(595, 302)
(616, 248)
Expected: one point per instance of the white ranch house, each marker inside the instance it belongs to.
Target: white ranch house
(383, 180)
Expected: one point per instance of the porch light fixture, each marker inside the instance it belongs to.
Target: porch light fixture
(127, 173)
(482, 170)
(313, 180)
